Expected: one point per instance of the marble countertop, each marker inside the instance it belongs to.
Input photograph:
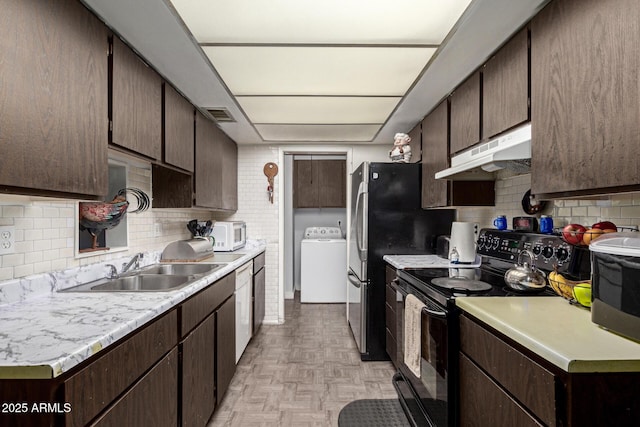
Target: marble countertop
(48, 334)
(403, 262)
(559, 332)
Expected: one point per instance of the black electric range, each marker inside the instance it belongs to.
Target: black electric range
(430, 399)
(499, 251)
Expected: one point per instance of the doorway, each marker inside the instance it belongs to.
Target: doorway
(294, 221)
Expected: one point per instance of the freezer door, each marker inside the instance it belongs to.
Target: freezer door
(358, 241)
(357, 311)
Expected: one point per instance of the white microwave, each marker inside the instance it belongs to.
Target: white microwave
(229, 236)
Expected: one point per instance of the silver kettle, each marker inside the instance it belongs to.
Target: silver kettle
(525, 277)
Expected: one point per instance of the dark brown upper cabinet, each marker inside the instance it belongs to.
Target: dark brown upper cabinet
(136, 103)
(319, 184)
(416, 142)
(216, 167)
(465, 114)
(585, 98)
(505, 87)
(229, 183)
(178, 130)
(53, 100)
(208, 164)
(435, 157)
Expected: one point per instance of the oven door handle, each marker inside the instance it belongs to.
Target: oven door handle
(397, 380)
(439, 314)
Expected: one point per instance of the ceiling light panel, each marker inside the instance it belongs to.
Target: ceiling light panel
(252, 70)
(317, 109)
(318, 133)
(326, 21)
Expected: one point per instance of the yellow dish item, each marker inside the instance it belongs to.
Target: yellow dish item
(582, 294)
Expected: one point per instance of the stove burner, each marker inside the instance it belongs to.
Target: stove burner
(461, 284)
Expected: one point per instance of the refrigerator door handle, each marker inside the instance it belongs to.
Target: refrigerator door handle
(361, 221)
(353, 279)
(364, 314)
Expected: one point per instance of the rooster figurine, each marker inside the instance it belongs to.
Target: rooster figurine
(98, 216)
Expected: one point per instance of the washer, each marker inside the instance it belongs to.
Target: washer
(323, 266)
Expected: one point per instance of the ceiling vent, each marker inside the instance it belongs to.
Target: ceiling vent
(221, 115)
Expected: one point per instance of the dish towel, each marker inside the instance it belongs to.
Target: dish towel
(412, 333)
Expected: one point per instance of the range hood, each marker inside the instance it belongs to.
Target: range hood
(511, 150)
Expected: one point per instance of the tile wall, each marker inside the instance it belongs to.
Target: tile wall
(622, 209)
(45, 231)
(261, 217)
(45, 228)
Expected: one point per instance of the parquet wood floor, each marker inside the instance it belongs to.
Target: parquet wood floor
(302, 373)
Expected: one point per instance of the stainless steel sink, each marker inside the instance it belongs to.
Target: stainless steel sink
(155, 278)
(143, 282)
(180, 269)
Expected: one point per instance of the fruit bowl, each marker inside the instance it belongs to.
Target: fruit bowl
(576, 292)
(578, 235)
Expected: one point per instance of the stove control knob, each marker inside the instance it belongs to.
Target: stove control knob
(547, 252)
(537, 250)
(481, 242)
(496, 243)
(562, 254)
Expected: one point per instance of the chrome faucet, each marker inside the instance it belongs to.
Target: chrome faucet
(113, 271)
(135, 262)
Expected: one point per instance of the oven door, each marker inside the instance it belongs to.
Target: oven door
(430, 402)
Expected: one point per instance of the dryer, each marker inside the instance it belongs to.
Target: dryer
(323, 266)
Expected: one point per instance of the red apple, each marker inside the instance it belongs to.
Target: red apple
(604, 225)
(573, 233)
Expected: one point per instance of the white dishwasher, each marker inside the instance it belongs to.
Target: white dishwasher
(244, 275)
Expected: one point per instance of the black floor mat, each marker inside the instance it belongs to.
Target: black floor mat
(373, 413)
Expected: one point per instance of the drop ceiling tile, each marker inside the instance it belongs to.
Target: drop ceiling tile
(268, 70)
(318, 133)
(327, 21)
(317, 109)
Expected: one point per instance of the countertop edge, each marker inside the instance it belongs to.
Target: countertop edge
(560, 357)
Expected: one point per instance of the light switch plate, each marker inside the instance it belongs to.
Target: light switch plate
(7, 240)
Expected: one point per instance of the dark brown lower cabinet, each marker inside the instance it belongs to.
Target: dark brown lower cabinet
(484, 403)
(504, 384)
(151, 402)
(226, 346)
(173, 371)
(92, 389)
(198, 373)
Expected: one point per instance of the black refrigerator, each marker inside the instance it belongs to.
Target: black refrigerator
(386, 219)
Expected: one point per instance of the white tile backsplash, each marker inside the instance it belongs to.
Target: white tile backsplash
(46, 231)
(622, 209)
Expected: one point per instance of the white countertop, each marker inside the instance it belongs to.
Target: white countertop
(48, 334)
(404, 262)
(559, 332)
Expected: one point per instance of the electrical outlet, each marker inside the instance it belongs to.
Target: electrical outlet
(157, 229)
(7, 240)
